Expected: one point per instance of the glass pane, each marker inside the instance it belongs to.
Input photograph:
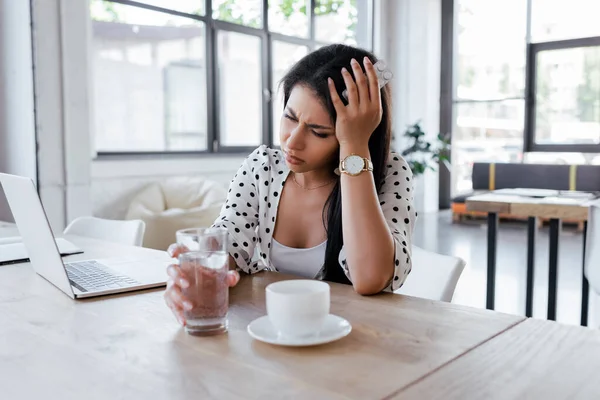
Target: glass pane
(491, 58)
(567, 109)
(559, 19)
(485, 131)
(242, 12)
(240, 89)
(284, 56)
(108, 11)
(149, 81)
(289, 17)
(336, 21)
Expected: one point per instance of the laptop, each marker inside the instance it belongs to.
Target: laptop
(79, 279)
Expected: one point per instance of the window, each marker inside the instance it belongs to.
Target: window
(239, 87)
(553, 20)
(532, 88)
(173, 76)
(564, 90)
(289, 18)
(243, 12)
(490, 89)
(284, 56)
(336, 21)
(144, 65)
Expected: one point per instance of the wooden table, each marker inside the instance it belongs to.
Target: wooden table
(553, 208)
(534, 360)
(130, 346)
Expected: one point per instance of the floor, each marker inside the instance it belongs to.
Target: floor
(468, 240)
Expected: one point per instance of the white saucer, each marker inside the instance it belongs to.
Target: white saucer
(334, 328)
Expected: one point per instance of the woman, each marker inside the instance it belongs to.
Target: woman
(300, 209)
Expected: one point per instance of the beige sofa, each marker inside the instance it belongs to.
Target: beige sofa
(176, 203)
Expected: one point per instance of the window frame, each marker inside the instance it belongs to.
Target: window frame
(533, 49)
(212, 27)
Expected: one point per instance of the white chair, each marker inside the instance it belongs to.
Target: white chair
(130, 232)
(592, 259)
(433, 276)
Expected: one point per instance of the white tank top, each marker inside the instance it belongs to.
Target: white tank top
(302, 262)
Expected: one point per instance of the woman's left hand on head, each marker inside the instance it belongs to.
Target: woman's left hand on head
(356, 121)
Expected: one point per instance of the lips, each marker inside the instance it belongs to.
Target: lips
(293, 160)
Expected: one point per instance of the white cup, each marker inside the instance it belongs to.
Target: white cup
(297, 307)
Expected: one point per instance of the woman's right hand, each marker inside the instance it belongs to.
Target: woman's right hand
(177, 281)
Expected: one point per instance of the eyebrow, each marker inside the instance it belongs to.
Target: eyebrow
(313, 126)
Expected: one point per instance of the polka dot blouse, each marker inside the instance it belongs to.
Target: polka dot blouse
(250, 212)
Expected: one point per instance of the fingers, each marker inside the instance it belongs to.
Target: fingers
(374, 91)
(350, 87)
(177, 276)
(335, 98)
(177, 311)
(177, 298)
(233, 277)
(175, 306)
(173, 295)
(175, 250)
(361, 82)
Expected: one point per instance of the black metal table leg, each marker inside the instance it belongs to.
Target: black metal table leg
(491, 259)
(585, 286)
(553, 267)
(531, 234)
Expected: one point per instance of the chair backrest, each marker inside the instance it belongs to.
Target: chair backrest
(130, 232)
(433, 276)
(592, 251)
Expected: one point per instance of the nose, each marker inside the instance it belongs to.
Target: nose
(296, 139)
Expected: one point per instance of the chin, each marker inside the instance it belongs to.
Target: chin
(298, 169)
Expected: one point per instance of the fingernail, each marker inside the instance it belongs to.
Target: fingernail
(353, 61)
(344, 69)
(367, 60)
(329, 80)
(187, 305)
(184, 283)
(181, 321)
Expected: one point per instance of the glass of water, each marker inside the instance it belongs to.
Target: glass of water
(204, 265)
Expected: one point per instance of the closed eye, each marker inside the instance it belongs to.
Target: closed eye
(317, 134)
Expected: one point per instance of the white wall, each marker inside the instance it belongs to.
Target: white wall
(61, 38)
(17, 126)
(411, 45)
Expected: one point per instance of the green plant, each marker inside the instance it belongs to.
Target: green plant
(422, 154)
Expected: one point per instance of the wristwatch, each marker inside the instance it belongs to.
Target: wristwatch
(354, 165)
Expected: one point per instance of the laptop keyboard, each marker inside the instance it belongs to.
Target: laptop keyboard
(91, 276)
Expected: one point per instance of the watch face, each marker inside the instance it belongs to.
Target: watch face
(354, 164)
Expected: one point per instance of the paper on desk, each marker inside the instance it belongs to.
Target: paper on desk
(561, 200)
(12, 249)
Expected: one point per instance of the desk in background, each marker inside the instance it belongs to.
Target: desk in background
(553, 208)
